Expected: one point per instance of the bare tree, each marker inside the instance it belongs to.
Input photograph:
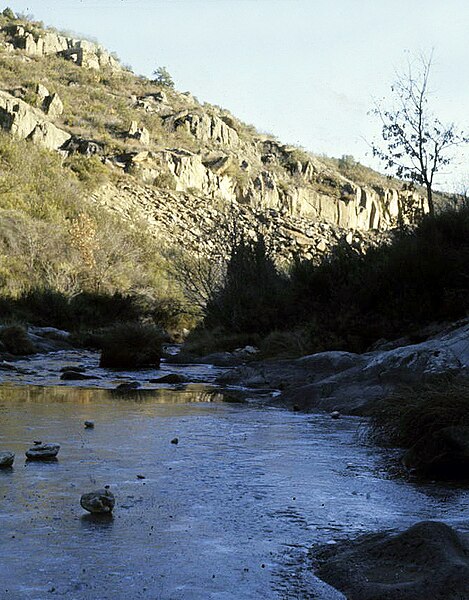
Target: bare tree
(416, 143)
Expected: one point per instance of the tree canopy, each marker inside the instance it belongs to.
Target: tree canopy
(416, 143)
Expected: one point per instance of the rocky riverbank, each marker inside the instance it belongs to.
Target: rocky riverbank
(354, 383)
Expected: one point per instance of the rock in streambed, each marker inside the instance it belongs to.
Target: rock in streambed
(6, 460)
(43, 451)
(428, 560)
(100, 501)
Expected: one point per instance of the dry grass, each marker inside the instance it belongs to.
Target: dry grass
(406, 416)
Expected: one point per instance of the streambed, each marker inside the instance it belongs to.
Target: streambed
(227, 513)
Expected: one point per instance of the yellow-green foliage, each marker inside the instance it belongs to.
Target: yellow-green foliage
(90, 170)
(52, 237)
(32, 180)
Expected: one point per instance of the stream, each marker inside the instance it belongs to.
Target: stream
(228, 513)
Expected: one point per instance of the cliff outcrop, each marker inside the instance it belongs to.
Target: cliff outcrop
(181, 165)
(39, 43)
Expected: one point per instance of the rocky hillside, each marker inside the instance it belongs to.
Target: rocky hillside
(180, 166)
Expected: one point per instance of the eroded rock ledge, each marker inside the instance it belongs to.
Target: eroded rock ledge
(353, 383)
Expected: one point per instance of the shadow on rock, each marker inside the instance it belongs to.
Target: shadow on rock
(428, 560)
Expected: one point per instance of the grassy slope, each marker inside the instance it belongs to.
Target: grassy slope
(51, 236)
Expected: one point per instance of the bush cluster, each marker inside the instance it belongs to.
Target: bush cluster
(350, 300)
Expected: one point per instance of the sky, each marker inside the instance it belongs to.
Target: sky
(307, 71)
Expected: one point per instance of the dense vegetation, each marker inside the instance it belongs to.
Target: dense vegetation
(349, 300)
(65, 261)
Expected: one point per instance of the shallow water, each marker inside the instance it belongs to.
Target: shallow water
(45, 369)
(228, 513)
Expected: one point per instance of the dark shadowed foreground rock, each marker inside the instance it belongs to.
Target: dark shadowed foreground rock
(443, 454)
(43, 452)
(428, 561)
(98, 502)
(6, 460)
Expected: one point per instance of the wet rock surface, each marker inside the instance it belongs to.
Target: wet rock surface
(6, 460)
(428, 560)
(171, 378)
(353, 383)
(42, 451)
(72, 375)
(98, 502)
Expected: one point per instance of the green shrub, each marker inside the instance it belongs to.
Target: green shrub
(203, 341)
(350, 299)
(131, 346)
(15, 340)
(166, 181)
(251, 298)
(285, 344)
(89, 170)
(9, 14)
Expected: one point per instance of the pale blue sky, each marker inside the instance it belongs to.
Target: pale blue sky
(304, 70)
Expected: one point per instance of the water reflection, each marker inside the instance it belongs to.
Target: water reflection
(183, 394)
(96, 522)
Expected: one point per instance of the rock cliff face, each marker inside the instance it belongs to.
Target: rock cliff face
(83, 53)
(185, 166)
(26, 122)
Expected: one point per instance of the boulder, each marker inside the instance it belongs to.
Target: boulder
(6, 460)
(42, 92)
(170, 378)
(76, 144)
(205, 128)
(81, 52)
(73, 375)
(442, 454)
(128, 386)
(53, 106)
(42, 451)
(139, 133)
(27, 122)
(100, 501)
(428, 560)
(374, 375)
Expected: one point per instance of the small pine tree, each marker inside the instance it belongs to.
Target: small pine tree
(9, 14)
(162, 77)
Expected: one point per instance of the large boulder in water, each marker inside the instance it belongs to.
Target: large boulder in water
(363, 380)
(429, 560)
